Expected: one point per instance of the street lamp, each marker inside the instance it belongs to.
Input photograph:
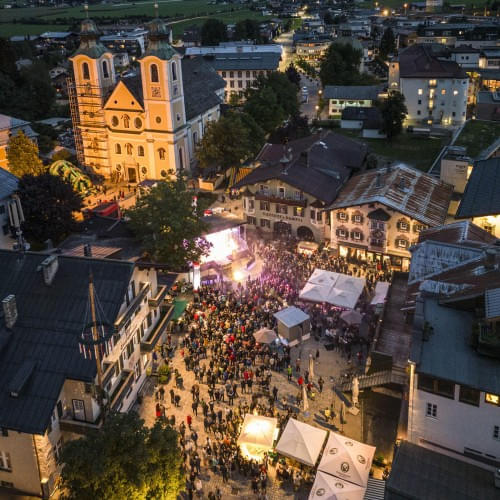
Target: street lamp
(406, 7)
(317, 111)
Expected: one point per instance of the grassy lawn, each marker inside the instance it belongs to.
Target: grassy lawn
(10, 29)
(420, 152)
(478, 135)
(394, 4)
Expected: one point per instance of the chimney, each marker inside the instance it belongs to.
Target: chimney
(489, 258)
(49, 269)
(378, 180)
(10, 310)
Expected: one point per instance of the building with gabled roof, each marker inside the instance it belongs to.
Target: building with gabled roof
(48, 373)
(379, 214)
(10, 126)
(144, 126)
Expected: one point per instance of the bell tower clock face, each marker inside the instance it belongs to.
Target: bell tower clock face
(155, 92)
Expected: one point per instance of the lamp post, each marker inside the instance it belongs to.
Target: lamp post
(406, 7)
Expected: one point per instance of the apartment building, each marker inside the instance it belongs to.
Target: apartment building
(379, 214)
(340, 97)
(10, 126)
(288, 190)
(454, 395)
(239, 63)
(435, 90)
(49, 371)
(133, 42)
(312, 49)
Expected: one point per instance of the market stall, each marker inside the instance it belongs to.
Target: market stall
(302, 442)
(328, 487)
(381, 291)
(347, 459)
(338, 289)
(294, 325)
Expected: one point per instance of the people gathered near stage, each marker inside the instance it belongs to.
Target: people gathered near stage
(233, 375)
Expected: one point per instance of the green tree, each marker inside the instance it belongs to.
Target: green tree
(49, 204)
(22, 156)
(293, 75)
(340, 65)
(124, 459)
(167, 226)
(387, 43)
(213, 32)
(393, 111)
(247, 29)
(230, 140)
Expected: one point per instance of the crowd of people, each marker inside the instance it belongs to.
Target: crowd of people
(234, 375)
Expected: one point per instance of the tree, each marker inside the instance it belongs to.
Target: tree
(247, 29)
(387, 43)
(124, 459)
(49, 203)
(164, 221)
(340, 65)
(213, 32)
(393, 111)
(293, 75)
(230, 140)
(22, 156)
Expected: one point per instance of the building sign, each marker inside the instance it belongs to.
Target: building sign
(282, 217)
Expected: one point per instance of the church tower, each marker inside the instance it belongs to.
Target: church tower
(163, 93)
(94, 76)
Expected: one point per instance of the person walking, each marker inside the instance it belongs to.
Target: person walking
(189, 420)
(297, 365)
(320, 384)
(289, 373)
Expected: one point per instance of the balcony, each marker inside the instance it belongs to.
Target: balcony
(68, 424)
(283, 200)
(121, 390)
(155, 334)
(160, 295)
(136, 302)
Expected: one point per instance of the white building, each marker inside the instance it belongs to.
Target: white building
(8, 184)
(454, 396)
(435, 90)
(340, 97)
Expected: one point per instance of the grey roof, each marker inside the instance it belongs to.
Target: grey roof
(8, 183)
(370, 117)
(201, 83)
(420, 473)
(482, 192)
(448, 353)
(51, 319)
(244, 61)
(364, 92)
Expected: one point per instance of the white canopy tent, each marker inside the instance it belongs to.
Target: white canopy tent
(257, 435)
(381, 291)
(302, 442)
(337, 289)
(328, 487)
(265, 336)
(347, 459)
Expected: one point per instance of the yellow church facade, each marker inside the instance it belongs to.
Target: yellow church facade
(147, 125)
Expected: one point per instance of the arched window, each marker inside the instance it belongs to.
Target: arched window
(154, 73)
(126, 121)
(161, 153)
(174, 71)
(85, 71)
(140, 151)
(118, 149)
(181, 160)
(105, 70)
(129, 149)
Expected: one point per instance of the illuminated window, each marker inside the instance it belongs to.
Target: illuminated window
(455, 92)
(443, 91)
(493, 399)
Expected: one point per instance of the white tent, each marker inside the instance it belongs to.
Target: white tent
(302, 442)
(328, 487)
(381, 291)
(294, 324)
(257, 434)
(334, 288)
(291, 316)
(352, 317)
(265, 336)
(347, 459)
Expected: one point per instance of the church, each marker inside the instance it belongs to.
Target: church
(144, 126)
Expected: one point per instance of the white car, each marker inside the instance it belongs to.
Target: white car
(305, 90)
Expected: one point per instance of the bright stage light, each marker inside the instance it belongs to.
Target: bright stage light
(224, 243)
(238, 276)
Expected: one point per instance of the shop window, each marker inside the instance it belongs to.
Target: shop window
(469, 395)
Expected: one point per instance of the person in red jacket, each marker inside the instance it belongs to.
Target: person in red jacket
(189, 420)
(300, 381)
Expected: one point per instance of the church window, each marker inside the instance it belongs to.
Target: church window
(114, 121)
(85, 71)
(140, 150)
(178, 116)
(118, 149)
(181, 160)
(174, 71)
(154, 73)
(129, 149)
(126, 121)
(163, 173)
(158, 119)
(161, 153)
(105, 70)
(138, 123)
